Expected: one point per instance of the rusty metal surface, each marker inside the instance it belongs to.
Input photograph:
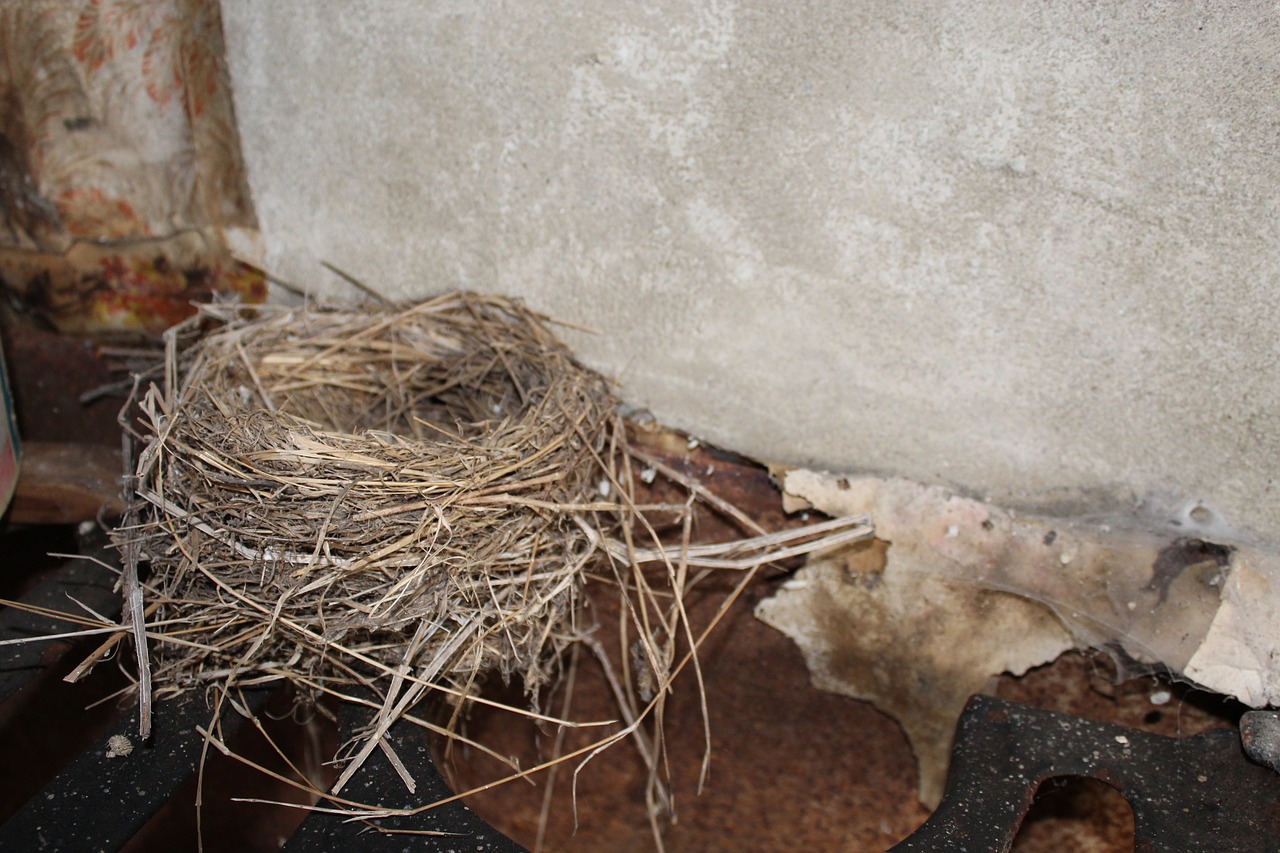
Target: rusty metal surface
(48, 373)
(793, 767)
(1197, 794)
(66, 483)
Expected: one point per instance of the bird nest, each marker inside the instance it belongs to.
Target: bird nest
(411, 486)
(378, 502)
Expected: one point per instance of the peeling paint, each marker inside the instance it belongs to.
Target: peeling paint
(966, 591)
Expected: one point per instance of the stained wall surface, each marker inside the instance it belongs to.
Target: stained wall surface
(1028, 249)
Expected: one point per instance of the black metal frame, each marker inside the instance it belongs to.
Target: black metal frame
(1197, 794)
(100, 803)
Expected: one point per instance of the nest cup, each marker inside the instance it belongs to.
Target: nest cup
(334, 495)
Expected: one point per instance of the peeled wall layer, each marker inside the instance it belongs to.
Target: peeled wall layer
(955, 592)
(1026, 249)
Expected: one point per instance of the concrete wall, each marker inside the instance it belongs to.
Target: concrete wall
(1024, 248)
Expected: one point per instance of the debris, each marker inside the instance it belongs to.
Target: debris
(119, 746)
(968, 591)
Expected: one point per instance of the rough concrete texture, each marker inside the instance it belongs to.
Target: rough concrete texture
(1027, 249)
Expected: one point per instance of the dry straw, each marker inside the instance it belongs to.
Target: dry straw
(379, 502)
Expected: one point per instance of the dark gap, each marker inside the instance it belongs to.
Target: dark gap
(26, 550)
(1076, 813)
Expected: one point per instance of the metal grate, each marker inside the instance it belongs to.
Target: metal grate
(1198, 794)
(101, 803)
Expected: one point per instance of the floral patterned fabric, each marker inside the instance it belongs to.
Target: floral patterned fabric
(120, 165)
